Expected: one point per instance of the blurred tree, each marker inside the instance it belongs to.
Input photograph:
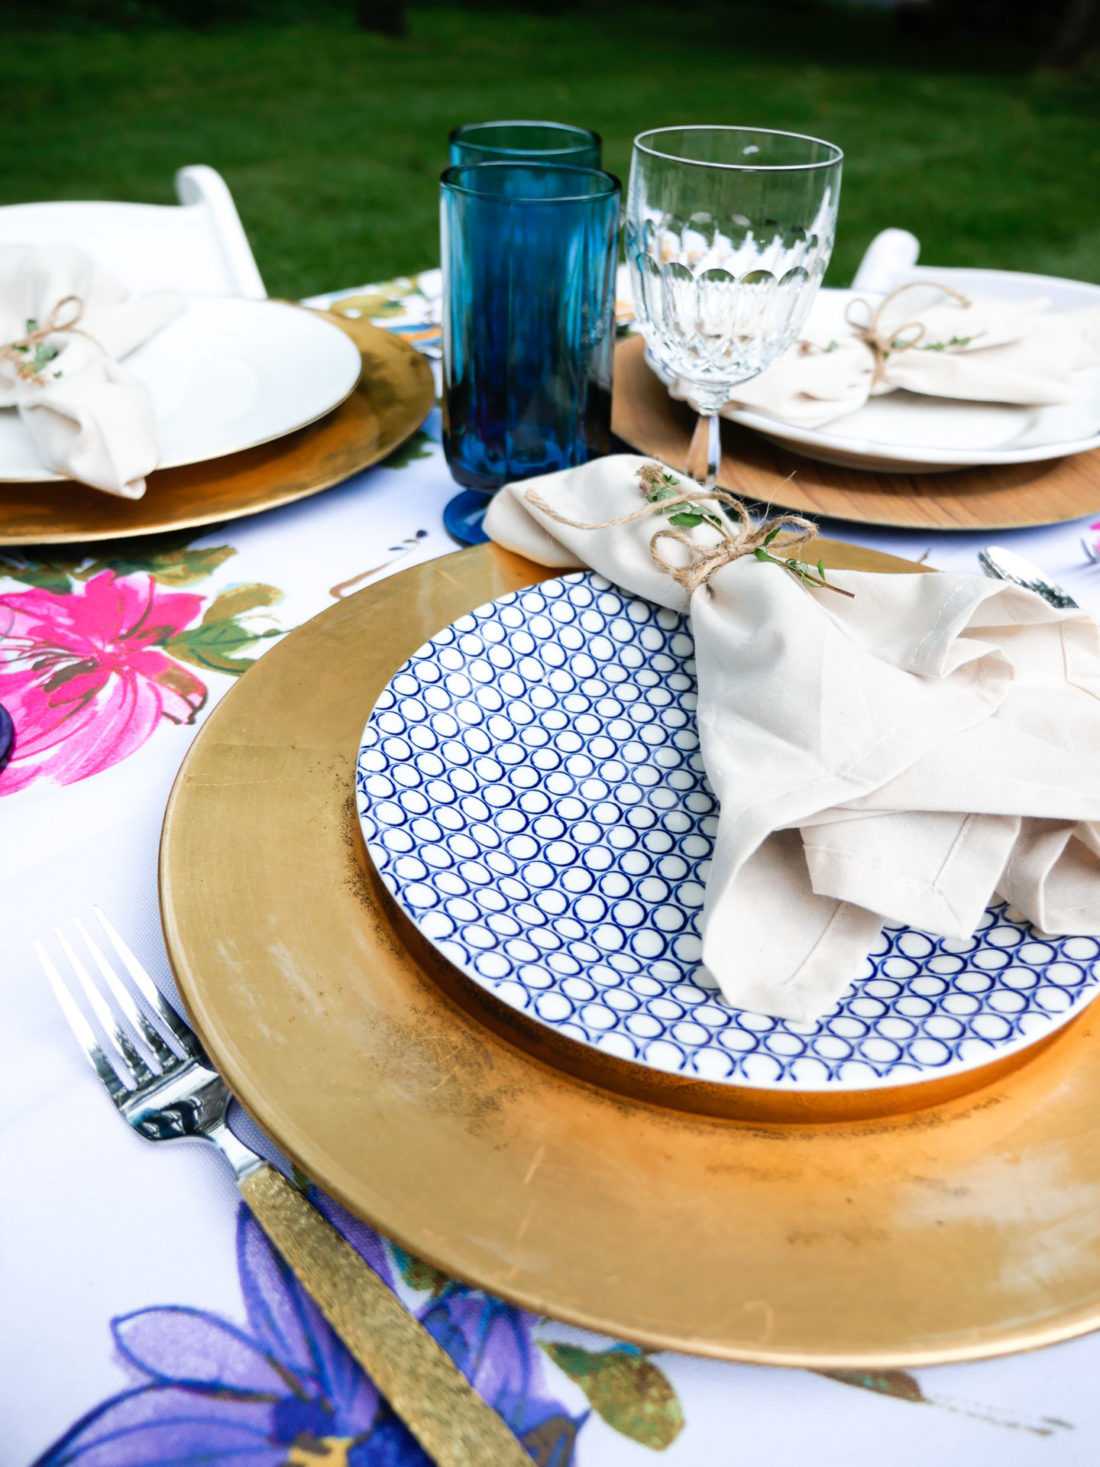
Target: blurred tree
(385, 17)
(1076, 36)
(1065, 33)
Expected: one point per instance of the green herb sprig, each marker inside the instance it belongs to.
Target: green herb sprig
(35, 356)
(946, 345)
(659, 484)
(960, 341)
(799, 568)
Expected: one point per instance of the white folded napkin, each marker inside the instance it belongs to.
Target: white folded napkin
(64, 322)
(901, 756)
(928, 339)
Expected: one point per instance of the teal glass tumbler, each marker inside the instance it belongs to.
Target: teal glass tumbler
(529, 254)
(534, 142)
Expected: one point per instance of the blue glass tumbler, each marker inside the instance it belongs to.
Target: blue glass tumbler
(532, 142)
(529, 254)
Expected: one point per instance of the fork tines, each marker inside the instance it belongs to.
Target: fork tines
(114, 1008)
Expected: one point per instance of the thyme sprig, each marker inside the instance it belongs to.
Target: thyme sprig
(658, 484)
(799, 568)
(34, 356)
(959, 341)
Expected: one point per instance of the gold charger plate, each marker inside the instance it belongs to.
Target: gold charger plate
(1008, 496)
(394, 395)
(965, 1230)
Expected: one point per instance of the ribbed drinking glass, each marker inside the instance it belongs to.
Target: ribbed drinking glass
(528, 254)
(533, 142)
(728, 231)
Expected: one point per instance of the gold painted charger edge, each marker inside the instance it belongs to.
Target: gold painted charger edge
(394, 395)
(961, 1231)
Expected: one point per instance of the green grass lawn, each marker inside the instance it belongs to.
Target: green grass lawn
(332, 140)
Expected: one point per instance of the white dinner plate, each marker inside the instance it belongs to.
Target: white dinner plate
(906, 432)
(224, 376)
(531, 792)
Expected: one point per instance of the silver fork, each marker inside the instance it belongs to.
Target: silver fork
(174, 1092)
(183, 1096)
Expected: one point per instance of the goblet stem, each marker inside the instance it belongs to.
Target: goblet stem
(705, 450)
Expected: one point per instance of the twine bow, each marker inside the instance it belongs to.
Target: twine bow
(787, 532)
(870, 331)
(23, 353)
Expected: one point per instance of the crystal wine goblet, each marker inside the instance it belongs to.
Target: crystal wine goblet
(728, 231)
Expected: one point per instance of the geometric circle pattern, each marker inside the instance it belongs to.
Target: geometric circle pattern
(532, 794)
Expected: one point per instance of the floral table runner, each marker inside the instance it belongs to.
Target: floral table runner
(146, 1318)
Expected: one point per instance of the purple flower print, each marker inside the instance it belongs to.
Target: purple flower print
(491, 1344)
(284, 1392)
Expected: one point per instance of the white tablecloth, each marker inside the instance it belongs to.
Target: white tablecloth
(97, 1227)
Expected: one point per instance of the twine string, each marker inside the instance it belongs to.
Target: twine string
(871, 333)
(56, 323)
(737, 540)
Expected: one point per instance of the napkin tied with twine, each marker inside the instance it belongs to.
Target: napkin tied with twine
(901, 753)
(930, 339)
(737, 535)
(64, 323)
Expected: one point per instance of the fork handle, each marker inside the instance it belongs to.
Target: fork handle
(417, 1377)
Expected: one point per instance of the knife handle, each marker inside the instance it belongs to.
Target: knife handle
(417, 1377)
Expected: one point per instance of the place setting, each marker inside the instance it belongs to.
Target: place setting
(549, 701)
(657, 918)
(653, 881)
(133, 414)
(960, 398)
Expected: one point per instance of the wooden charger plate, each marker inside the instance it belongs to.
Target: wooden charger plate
(394, 396)
(1009, 496)
(964, 1230)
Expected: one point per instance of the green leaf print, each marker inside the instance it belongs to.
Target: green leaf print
(897, 1383)
(420, 1275)
(166, 558)
(45, 575)
(626, 1389)
(173, 567)
(418, 446)
(222, 634)
(381, 303)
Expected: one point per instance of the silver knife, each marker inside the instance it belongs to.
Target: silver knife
(1006, 565)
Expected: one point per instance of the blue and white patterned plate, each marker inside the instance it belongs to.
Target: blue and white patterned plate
(532, 794)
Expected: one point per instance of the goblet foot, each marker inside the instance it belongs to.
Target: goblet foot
(463, 516)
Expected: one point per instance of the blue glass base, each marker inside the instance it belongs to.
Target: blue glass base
(463, 517)
(7, 736)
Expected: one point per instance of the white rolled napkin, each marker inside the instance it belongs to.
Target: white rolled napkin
(89, 418)
(928, 339)
(903, 755)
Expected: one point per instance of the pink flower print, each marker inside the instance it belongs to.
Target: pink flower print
(83, 676)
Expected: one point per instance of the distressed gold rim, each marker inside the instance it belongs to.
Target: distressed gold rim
(964, 1230)
(394, 395)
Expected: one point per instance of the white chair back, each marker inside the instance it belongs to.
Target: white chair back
(198, 245)
(891, 260)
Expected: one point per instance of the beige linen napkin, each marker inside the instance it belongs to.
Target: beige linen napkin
(929, 340)
(89, 418)
(900, 756)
